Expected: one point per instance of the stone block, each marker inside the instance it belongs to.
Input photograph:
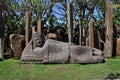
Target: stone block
(17, 44)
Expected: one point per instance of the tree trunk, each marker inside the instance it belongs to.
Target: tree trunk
(109, 30)
(99, 40)
(80, 33)
(70, 23)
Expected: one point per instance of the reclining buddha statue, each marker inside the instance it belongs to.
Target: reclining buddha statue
(53, 51)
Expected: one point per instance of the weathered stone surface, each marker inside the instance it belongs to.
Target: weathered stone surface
(59, 52)
(17, 43)
(118, 47)
(37, 40)
(1, 48)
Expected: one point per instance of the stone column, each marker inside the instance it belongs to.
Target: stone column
(39, 27)
(109, 30)
(1, 36)
(1, 48)
(27, 25)
(91, 34)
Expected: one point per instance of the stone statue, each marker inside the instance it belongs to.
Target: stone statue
(53, 36)
(17, 44)
(53, 51)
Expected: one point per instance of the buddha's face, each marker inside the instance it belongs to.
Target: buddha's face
(38, 41)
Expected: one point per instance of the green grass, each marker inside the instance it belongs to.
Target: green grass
(12, 70)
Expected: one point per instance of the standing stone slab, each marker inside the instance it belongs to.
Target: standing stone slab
(27, 24)
(1, 33)
(109, 30)
(17, 44)
(118, 47)
(91, 34)
(39, 27)
(1, 48)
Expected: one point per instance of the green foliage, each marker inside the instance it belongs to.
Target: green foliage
(116, 16)
(49, 10)
(112, 76)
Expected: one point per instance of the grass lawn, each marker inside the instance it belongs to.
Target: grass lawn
(12, 70)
